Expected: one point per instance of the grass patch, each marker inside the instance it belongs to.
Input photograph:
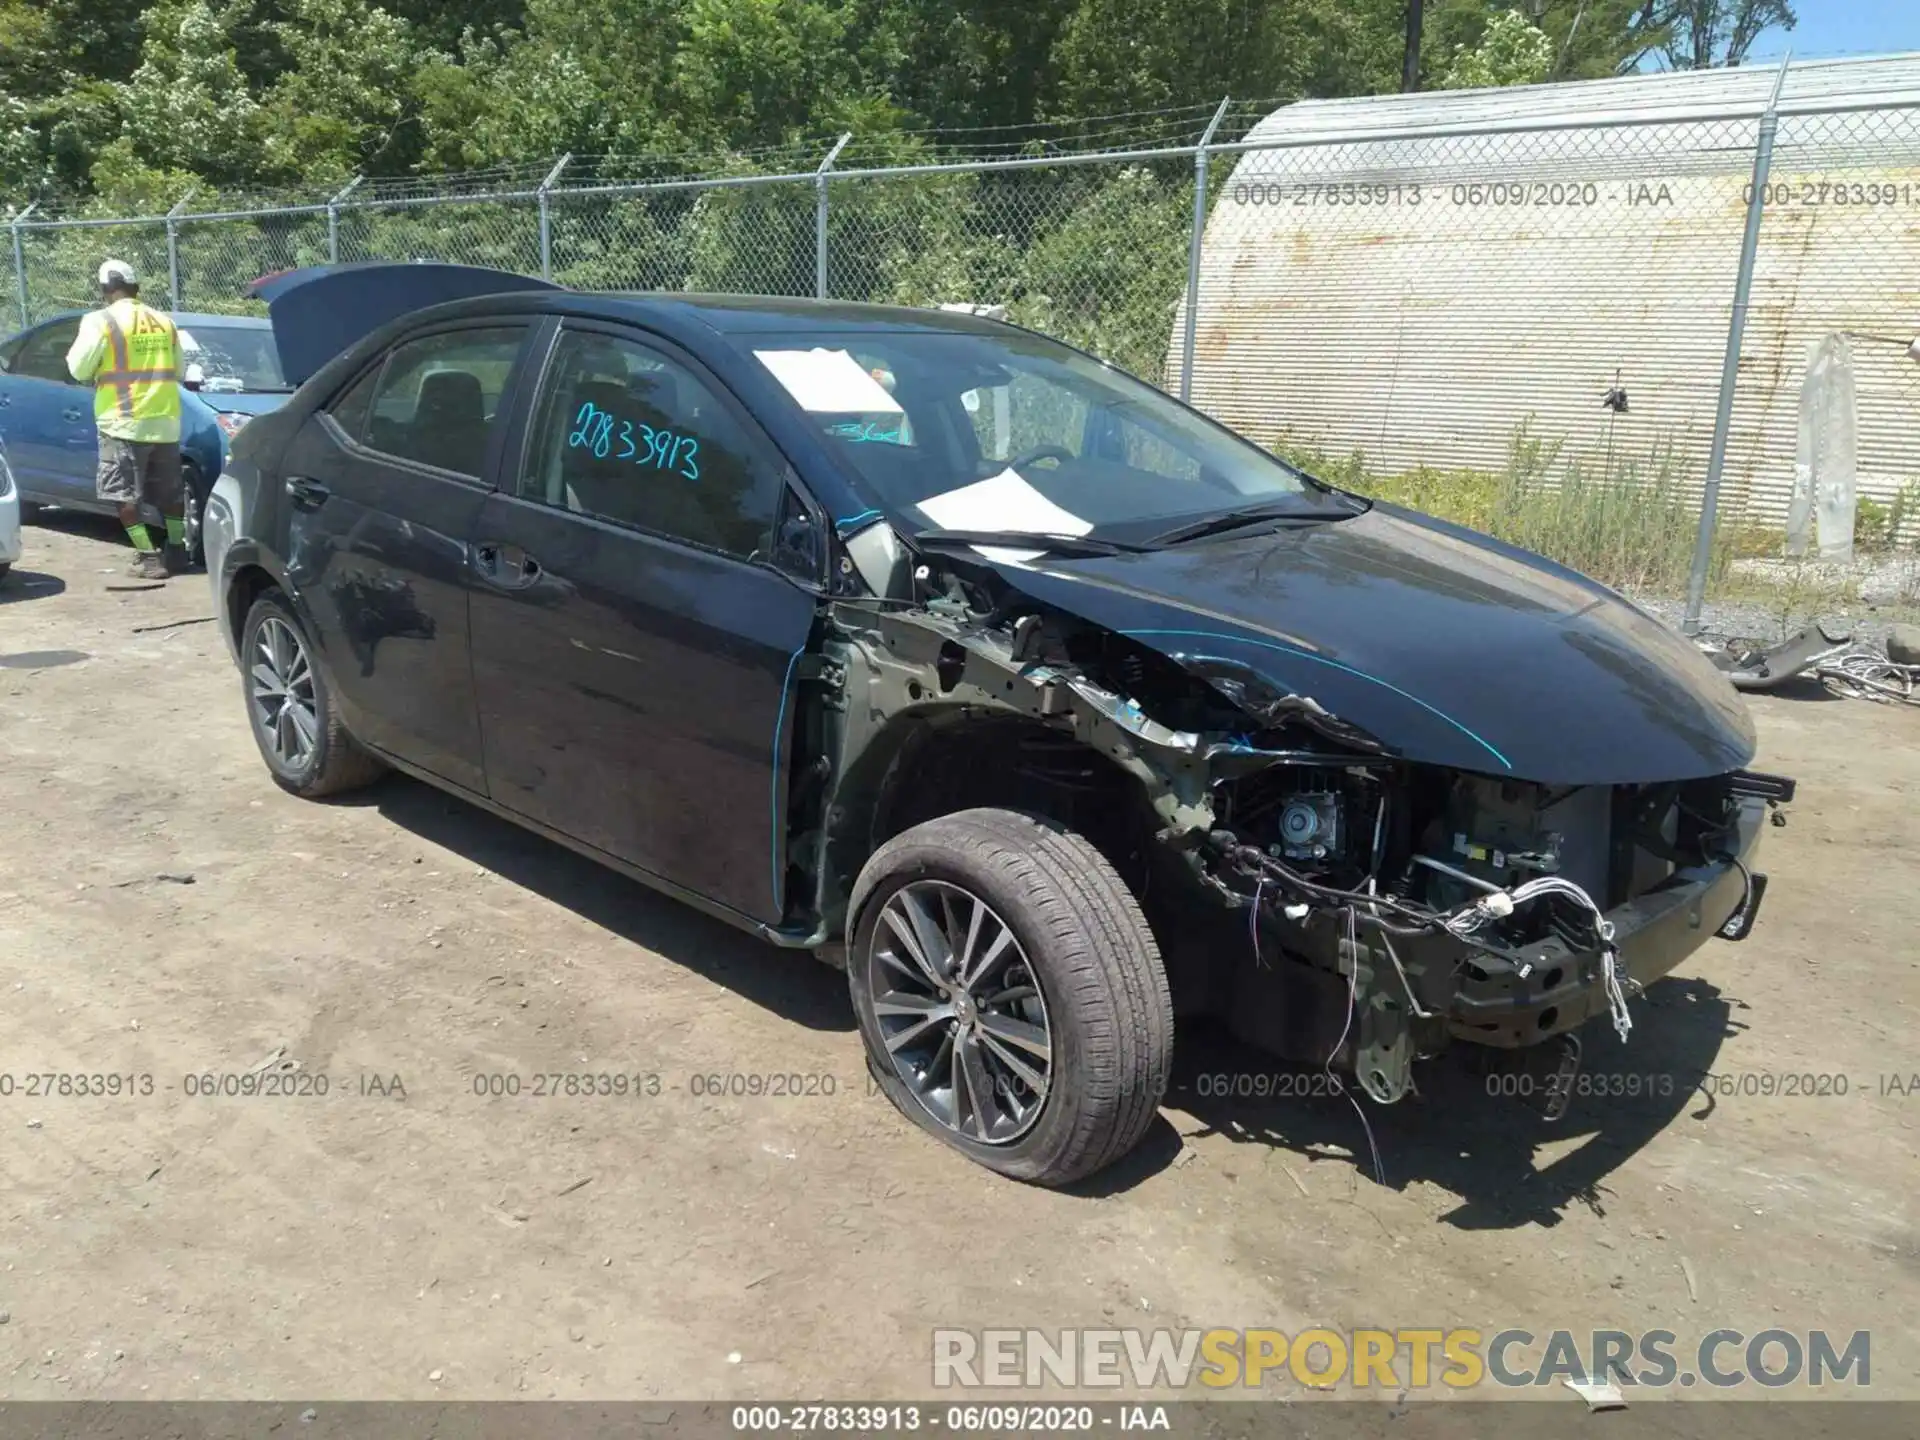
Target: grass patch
(1629, 525)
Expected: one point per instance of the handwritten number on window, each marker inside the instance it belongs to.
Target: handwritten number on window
(658, 450)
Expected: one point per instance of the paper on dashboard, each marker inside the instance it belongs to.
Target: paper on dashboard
(1002, 502)
(828, 382)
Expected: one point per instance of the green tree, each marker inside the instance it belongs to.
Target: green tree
(59, 61)
(344, 103)
(187, 106)
(1511, 52)
(1701, 34)
(1144, 54)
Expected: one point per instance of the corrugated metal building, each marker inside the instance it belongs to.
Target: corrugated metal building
(1414, 276)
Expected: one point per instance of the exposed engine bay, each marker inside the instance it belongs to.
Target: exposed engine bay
(1337, 901)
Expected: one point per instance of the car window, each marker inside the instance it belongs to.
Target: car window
(233, 357)
(354, 404)
(43, 356)
(629, 435)
(438, 396)
(1006, 430)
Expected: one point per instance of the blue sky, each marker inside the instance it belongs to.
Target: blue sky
(1845, 27)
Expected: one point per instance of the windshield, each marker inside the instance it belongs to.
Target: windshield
(1012, 433)
(232, 357)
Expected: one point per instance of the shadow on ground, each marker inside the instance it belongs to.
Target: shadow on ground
(1467, 1130)
(22, 585)
(84, 523)
(790, 983)
(1471, 1128)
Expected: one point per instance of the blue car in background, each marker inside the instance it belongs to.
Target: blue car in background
(46, 420)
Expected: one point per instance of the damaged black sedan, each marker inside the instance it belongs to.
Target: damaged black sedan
(1040, 703)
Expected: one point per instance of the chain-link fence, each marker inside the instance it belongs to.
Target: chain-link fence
(1562, 314)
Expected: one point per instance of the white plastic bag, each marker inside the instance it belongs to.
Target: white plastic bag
(1825, 459)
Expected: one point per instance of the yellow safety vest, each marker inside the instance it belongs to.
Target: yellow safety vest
(136, 390)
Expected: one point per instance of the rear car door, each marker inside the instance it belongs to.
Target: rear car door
(48, 419)
(633, 649)
(384, 489)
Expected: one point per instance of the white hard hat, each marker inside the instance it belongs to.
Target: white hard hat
(117, 272)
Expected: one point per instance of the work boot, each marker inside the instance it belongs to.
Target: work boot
(148, 565)
(176, 559)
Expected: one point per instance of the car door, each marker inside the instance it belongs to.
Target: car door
(383, 491)
(48, 419)
(633, 649)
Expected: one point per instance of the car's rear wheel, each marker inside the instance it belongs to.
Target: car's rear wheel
(290, 706)
(1010, 993)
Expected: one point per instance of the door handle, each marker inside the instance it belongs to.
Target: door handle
(506, 566)
(73, 415)
(306, 493)
(5, 400)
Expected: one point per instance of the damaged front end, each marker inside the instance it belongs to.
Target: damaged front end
(1338, 894)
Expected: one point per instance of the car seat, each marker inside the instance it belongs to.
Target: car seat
(450, 421)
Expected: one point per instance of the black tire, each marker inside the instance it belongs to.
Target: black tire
(4, 569)
(334, 762)
(1091, 955)
(193, 506)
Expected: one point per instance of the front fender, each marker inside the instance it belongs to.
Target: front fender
(234, 570)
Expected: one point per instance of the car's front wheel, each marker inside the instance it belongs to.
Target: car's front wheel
(290, 706)
(193, 506)
(1010, 993)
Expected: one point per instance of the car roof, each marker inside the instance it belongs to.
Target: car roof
(760, 314)
(205, 319)
(209, 320)
(726, 314)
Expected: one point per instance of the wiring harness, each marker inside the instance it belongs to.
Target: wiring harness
(1394, 915)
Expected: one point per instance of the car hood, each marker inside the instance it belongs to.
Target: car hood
(320, 310)
(243, 402)
(1438, 644)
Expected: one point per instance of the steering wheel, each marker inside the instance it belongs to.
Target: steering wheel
(1039, 453)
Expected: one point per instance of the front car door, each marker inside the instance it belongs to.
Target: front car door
(384, 488)
(633, 650)
(48, 419)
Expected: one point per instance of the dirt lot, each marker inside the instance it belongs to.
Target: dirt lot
(438, 1243)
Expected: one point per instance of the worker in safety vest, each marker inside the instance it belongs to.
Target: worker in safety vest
(130, 354)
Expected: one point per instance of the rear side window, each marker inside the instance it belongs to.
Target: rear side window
(43, 356)
(438, 397)
(630, 435)
(355, 404)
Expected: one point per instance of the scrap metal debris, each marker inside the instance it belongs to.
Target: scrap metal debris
(1750, 667)
(1854, 670)
(1863, 675)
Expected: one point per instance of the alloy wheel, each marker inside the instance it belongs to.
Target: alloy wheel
(960, 1012)
(280, 681)
(193, 512)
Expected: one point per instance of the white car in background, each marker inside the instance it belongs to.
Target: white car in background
(9, 515)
